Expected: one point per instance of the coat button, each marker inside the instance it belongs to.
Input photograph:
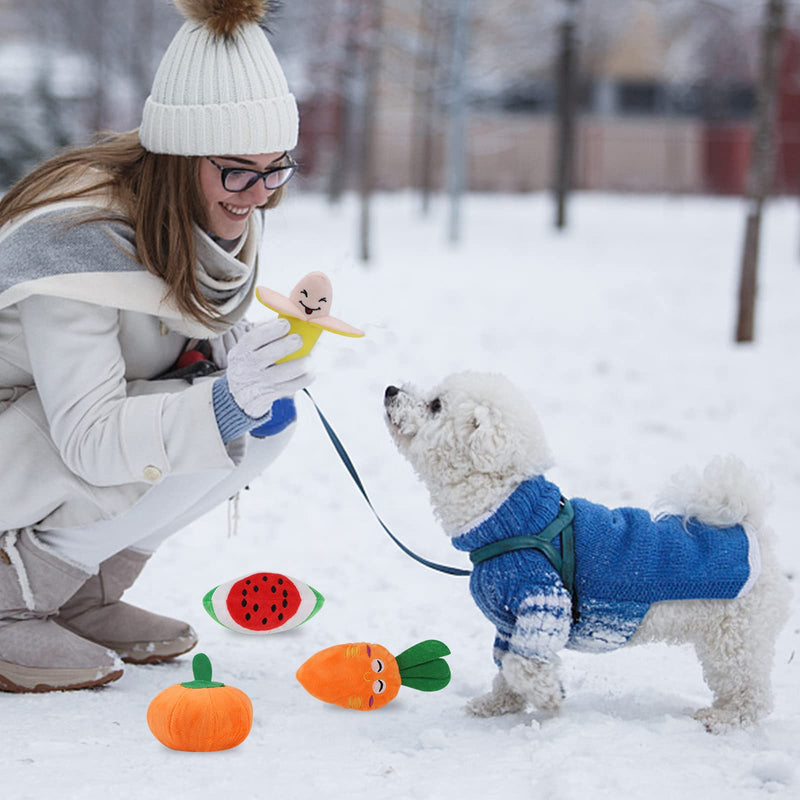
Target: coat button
(151, 473)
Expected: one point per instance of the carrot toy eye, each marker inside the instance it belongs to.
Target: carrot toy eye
(346, 675)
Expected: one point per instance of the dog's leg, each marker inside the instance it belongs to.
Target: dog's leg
(736, 654)
(740, 681)
(737, 648)
(542, 629)
(535, 680)
(502, 699)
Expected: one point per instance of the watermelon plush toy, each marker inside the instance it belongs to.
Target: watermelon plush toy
(263, 602)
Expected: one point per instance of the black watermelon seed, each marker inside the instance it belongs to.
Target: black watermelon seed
(248, 581)
(274, 588)
(264, 578)
(280, 616)
(285, 603)
(280, 581)
(255, 607)
(264, 621)
(244, 592)
(255, 588)
(274, 607)
(244, 603)
(247, 616)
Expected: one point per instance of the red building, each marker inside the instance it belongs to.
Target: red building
(727, 144)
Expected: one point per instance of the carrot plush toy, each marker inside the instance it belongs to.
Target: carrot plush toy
(367, 676)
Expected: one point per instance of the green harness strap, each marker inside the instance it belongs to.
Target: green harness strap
(563, 562)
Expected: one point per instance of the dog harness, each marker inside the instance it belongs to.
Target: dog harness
(563, 562)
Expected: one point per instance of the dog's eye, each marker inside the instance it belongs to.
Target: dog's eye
(435, 405)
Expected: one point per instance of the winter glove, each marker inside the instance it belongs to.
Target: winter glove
(244, 397)
(220, 346)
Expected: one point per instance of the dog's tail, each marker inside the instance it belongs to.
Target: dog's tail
(726, 494)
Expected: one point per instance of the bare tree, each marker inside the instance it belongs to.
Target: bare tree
(426, 85)
(346, 67)
(457, 115)
(567, 82)
(369, 113)
(762, 164)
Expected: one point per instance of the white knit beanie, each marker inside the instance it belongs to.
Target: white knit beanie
(219, 89)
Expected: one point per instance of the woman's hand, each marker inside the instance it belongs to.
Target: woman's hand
(220, 346)
(255, 381)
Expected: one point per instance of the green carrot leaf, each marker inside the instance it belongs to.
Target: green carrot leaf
(428, 677)
(422, 653)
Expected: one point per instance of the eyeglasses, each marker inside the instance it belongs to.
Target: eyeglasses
(235, 179)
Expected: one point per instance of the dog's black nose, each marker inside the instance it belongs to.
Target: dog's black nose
(390, 392)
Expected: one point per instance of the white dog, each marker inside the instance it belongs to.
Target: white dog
(578, 575)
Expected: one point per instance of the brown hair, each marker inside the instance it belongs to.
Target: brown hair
(159, 195)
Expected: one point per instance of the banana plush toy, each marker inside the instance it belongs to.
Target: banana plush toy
(308, 310)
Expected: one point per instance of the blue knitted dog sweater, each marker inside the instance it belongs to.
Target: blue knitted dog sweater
(624, 562)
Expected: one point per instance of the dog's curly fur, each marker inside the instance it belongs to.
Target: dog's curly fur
(474, 438)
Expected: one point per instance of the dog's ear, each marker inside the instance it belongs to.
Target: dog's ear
(488, 442)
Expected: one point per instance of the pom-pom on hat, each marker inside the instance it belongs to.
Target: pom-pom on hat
(219, 89)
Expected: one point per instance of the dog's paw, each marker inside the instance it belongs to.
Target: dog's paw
(501, 700)
(535, 681)
(490, 705)
(725, 718)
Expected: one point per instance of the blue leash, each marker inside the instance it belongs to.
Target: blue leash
(354, 475)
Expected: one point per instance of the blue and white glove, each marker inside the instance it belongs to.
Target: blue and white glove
(243, 398)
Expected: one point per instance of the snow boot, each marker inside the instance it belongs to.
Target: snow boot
(37, 654)
(96, 613)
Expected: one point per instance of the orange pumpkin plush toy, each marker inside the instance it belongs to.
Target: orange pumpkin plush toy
(366, 676)
(200, 715)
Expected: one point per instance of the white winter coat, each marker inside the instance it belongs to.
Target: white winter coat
(85, 431)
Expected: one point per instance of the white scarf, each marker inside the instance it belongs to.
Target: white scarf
(225, 276)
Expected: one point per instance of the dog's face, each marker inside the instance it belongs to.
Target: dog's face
(473, 428)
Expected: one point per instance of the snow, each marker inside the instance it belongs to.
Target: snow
(620, 330)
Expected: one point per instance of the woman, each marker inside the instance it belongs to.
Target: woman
(115, 260)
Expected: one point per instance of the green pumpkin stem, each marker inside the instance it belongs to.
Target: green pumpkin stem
(201, 668)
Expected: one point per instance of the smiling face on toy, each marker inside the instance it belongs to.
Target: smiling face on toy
(313, 295)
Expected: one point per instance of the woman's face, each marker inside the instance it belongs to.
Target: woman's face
(228, 211)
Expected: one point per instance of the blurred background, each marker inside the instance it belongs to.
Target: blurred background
(399, 94)
(445, 97)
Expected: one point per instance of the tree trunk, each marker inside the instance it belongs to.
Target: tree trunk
(141, 47)
(345, 130)
(425, 96)
(98, 52)
(370, 109)
(457, 116)
(566, 102)
(762, 165)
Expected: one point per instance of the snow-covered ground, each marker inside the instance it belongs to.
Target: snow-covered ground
(620, 330)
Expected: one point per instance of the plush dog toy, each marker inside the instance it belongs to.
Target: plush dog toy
(200, 715)
(263, 602)
(367, 676)
(308, 310)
